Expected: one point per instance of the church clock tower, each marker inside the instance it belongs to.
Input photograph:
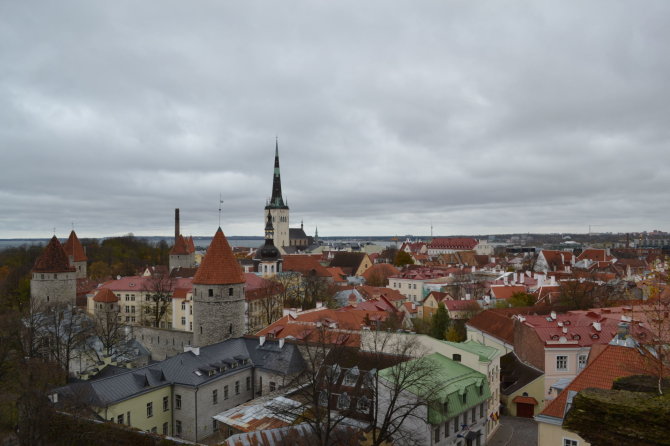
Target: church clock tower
(276, 207)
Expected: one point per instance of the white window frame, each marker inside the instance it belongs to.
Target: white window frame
(559, 359)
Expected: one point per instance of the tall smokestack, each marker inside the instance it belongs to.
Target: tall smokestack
(176, 224)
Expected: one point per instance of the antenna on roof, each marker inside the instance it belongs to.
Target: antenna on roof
(220, 206)
(54, 231)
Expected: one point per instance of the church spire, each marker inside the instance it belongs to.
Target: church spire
(276, 201)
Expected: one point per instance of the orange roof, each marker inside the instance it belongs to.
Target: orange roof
(381, 269)
(106, 295)
(525, 400)
(596, 255)
(190, 245)
(180, 247)
(305, 264)
(181, 293)
(53, 259)
(614, 362)
(506, 291)
(219, 266)
(73, 248)
(337, 273)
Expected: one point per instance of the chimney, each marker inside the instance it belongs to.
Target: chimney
(553, 315)
(597, 326)
(176, 224)
(281, 343)
(261, 340)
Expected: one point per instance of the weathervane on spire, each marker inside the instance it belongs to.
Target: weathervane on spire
(220, 206)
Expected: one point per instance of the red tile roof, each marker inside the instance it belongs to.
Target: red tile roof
(506, 291)
(53, 259)
(595, 255)
(614, 362)
(337, 274)
(73, 248)
(557, 259)
(190, 245)
(495, 323)
(461, 305)
(181, 293)
(180, 247)
(380, 269)
(466, 243)
(105, 295)
(525, 400)
(305, 264)
(219, 266)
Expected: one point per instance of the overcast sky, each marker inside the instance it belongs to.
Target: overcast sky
(478, 117)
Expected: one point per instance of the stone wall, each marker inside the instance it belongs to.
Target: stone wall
(220, 316)
(53, 288)
(161, 342)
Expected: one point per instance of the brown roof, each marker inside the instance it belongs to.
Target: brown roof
(219, 266)
(495, 323)
(106, 295)
(180, 247)
(73, 248)
(348, 261)
(305, 264)
(383, 269)
(53, 259)
(190, 244)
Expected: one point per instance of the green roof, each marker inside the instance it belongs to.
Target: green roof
(456, 381)
(484, 352)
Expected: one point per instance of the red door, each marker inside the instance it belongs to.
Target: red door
(524, 410)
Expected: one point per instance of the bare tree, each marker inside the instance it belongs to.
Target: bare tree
(654, 335)
(402, 390)
(318, 387)
(110, 331)
(63, 334)
(159, 287)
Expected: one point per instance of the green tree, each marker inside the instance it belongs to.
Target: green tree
(522, 300)
(453, 335)
(440, 322)
(403, 258)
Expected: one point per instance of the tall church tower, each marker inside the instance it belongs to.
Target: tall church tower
(218, 295)
(276, 207)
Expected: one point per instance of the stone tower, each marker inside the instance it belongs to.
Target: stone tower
(181, 255)
(76, 255)
(53, 280)
(276, 207)
(218, 295)
(106, 306)
(267, 259)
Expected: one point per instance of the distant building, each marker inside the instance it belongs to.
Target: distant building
(53, 279)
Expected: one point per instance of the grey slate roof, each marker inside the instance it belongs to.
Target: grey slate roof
(189, 369)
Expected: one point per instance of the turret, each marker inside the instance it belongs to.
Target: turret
(53, 280)
(218, 295)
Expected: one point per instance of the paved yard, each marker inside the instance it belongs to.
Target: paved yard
(515, 431)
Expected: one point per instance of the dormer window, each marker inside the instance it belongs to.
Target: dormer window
(343, 401)
(464, 397)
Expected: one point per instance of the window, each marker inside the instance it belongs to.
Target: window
(215, 396)
(248, 382)
(165, 428)
(183, 306)
(119, 419)
(128, 417)
(177, 401)
(230, 291)
(166, 404)
(273, 386)
(437, 434)
(132, 318)
(343, 401)
(214, 426)
(210, 292)
(464, 398)
(183, 320)
(323, 398)
(363, 404)
(127, 297)
(147, 297)
(569, 442)
(132, 309)
(132, 298)
(127, 309)
(456, 357)
(150, 410)
(177, 428)
(561, 362)
(225, 392)
(154, 430)
(581, 361)
(237, 387)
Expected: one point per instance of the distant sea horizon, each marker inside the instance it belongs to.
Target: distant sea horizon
(203, 242)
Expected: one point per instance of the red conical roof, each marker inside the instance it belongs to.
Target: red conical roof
(53, 259)
(190, 245)
(73, 248)
(179, 247)
(219, 266)
(106, 295)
